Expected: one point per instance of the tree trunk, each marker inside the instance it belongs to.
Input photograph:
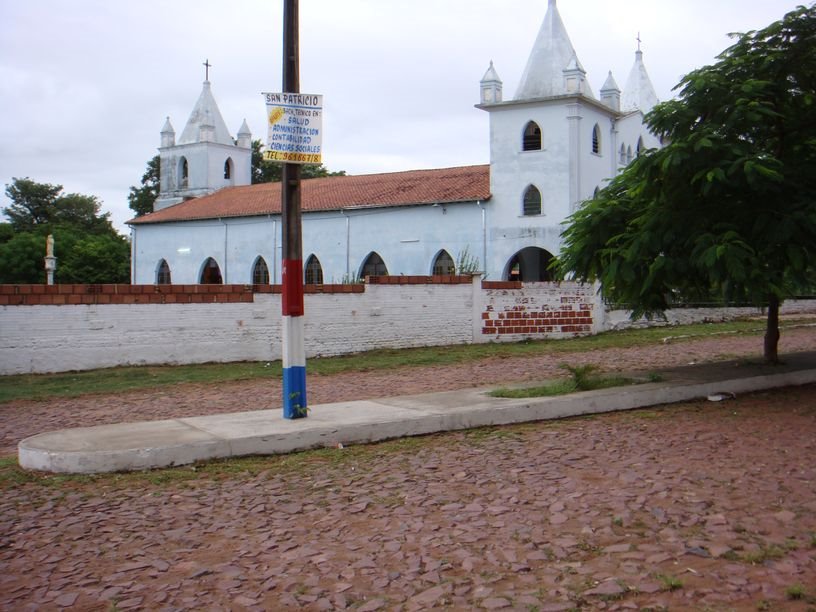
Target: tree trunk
(772, 331)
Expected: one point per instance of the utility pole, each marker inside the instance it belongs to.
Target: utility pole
(294, 353)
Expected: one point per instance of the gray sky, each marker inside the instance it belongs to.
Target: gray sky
(85, 85)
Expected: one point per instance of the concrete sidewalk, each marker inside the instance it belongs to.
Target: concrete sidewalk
(155, 444)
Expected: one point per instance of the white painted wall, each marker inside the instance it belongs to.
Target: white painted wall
(37, 339)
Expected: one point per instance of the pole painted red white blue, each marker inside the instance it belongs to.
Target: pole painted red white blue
(295, 405)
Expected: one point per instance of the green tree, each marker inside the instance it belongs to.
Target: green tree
(32, 203)
(141, 199)
(96, 259)
(88, 248)
(264, 171)
(727, 206)
(22, 259)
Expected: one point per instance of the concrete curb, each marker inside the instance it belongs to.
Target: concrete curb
(156, 444)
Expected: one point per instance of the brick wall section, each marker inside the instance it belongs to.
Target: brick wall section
(556, 310)
(62, 295)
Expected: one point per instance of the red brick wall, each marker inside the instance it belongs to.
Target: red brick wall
(553, 310)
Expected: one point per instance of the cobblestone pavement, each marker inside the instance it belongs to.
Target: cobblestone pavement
(699, 506)
(20, 419)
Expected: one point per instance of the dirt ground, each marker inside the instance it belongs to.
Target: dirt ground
(697, 506)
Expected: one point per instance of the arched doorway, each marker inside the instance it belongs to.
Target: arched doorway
(530, 266)
(210, 273)
(443, 264)
(313, 271)
(260, 272)
(373, 266)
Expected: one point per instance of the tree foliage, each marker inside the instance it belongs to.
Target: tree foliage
(727, 207)
(264, 171)
(141, 199)
(88, 248)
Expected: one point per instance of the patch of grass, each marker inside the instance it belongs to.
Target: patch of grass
(118, 380)
(583, 379)
(764, 553)
(796, 592)
(670, 583)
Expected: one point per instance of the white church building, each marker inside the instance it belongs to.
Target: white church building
(551, 147)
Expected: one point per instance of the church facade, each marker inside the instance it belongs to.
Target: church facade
(551, 147)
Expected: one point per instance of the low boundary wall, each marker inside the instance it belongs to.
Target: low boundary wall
(79, 327)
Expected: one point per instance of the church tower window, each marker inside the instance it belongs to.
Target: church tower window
(313, 271)
(210, 273)
(639, 146)
(532, 137)
(184, 172)
(622, 159)
(443, 264)
(373, 266)
(163, 273)
(596, 139)
(532, 201)
(228, 169)
(260, 272)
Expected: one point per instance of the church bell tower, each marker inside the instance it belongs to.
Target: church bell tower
(205, 158)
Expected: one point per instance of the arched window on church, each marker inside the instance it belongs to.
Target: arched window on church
(163, 273)
(532, 201)
(373, 266)
(443, 264)
(639, 149)
(531, 140)
(228, 169)
(313, 272)
(596, 139)
(595, 193)
(260, 272)
(622, 159)
(184, 172)
(628, 154)
(210, 273)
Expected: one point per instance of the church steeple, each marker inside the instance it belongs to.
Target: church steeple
(638, 94)
(206, 114)
(552, 54)
(205, 158)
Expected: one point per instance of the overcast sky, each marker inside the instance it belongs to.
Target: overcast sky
(85, 85)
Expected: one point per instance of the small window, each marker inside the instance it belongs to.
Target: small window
(596, 139)
(532, 137)
(532, 201)
(622, 155)
(628, 154)
(184, 172)
(313, 271)
(639, 149)
(443, 265)
(595, 193)
(373, 266)
(260, 272)
(228, 169)
(210, 273)
(163, 273)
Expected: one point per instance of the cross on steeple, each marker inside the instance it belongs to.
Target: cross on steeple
(207, 65)
(639, 41)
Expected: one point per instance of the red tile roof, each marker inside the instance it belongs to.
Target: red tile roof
(446, 185)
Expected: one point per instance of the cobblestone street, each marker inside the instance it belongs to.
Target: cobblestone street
(699, 506)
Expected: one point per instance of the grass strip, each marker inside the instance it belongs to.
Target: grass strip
(122, 379)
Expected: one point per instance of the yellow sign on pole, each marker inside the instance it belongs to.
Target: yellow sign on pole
(295, 128)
